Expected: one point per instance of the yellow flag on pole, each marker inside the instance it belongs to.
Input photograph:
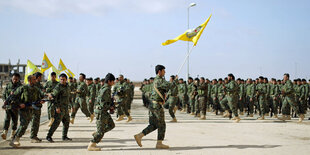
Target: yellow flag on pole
(46, 63)
(61, 66)
(53, 69)
(69, 73)
(192, 35)
(30, 69)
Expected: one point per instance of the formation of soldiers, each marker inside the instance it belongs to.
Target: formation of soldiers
(64, 98)
(231, 98)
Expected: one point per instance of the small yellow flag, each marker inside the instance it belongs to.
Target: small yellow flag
(190, 35)
(69, 73)
(61, 66)
(53, 69)
(30, 69)
(46, 63)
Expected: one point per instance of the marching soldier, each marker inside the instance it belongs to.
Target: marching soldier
(104, 120)
(250, 97)
(11, 112)
(49, 86)
(61, 94)
(191, 96)
(261, 92)
(202, 97)
(232, 96)
(182, 90)
(91, 96)
(172, 97)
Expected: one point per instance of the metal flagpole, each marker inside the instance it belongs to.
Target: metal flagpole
(190, 51)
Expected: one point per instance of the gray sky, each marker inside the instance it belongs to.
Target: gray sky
(247, 38)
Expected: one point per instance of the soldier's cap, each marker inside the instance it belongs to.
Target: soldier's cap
(71, 78)
(303, 80)
(145, 80)
(261, 77)
(287, 74)
(230, 74)
(89, 79)
(172, 76)
(196, 79)
(220, 79)
(102, 80)
(202, 78)
(97, 78)
(299, 80)
(109, 77)
(53, 74)
(238, 79)
(190, 78)
(273, 79)
(181, 79)
(151, 78)
(37, 74)
(121, 75)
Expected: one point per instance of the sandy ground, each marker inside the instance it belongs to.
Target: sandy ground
(216, 135)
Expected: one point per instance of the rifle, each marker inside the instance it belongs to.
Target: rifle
(8, 102)
(36, 104)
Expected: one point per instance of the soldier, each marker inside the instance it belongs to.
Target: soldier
(143, 92)
(72, 86)
(261, 92)
(301, 97)
(36, 113)
(48, 87)
(195, 95)
(191, 96)
(209, 99)
(202, 90)
(250, 97)
(214, 96)
(221, 95)
(289, 99)
(172, 96)
(232, 96)
(241, 96)
(182, 90)
(80, 100)
(11, 112)
(274, 95)
(91, 96)
(61, 95)
(119, 92)
(156, 110)
(27, 95)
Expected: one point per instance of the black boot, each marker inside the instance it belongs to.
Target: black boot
(65, 138)
(50, 139)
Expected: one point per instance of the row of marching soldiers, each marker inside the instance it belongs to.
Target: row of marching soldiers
(64, 98)
(231, 98)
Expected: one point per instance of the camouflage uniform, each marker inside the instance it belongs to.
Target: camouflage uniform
(11, 111)
(119, 92)
(61, 95)
(182, 90)
(261, 90)
(202, 90)
(91, 96)
(36, 115)
(172, 98)
(191, 96)
(274, 98)
(232, 96)
(80, 100)
(104, 121)
(289, 99)
(49, 86)
(250, 98)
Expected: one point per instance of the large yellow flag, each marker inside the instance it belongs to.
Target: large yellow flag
(46, 63)
(190, 35)
(53, 69)
(69, 73)
(61, 66)
(30, 69)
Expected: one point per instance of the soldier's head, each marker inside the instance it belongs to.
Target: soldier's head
(180, 81)
(63, 79)
(249, 81)
(151, 80)
(53, 76)
(89, 81)
(279, 82)
(274, 81)
(70, 79)
(304, 81)
(298, 81)
(31, 80)
(102, 82)
(160, 70)
(172, 78)
(226, 80)
(231, 77)
(265, 80)
(97, 80)
(190, 80)
(202, 80)
(74, 80)
(121, 78)
(82, 77)
(15, 78)
(238, 80)
(214, 81)
(38, 76)
(109, 79)
(261, 79)
(286, 77)
(220, 80)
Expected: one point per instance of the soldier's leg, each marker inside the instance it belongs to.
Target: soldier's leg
(120, 111)
(171, 102)
(203, 103)
(233, 105)
(65, 123)
(161, 124)
(24, 118)
(76, 106)
(109, 123)
(197, 106)
(35, 123)
(125, 108)
(294, 105)
(250, 106)
(262, 105)
(152, 123)
(90, 106)
(58, 118)
(303, 107)
(192, 102)
(7, 119)
(83, 105)
(224, 104)
(275, 107)
(14, 116)
(285, 107)
(100, 129)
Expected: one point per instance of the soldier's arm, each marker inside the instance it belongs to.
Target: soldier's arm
(5, 92)
(105, 99)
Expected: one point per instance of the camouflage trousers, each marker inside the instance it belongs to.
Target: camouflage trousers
(287, 103)
(203, 104)
(197, 105)
(104, 124)
(224, 104)
(262, 105)
(80, 103)
(63, 117)
(156, 121)
(302, 106)
(233, 104)
(50, 110)
(192, 104)
(241, 104)
(250, 105)
(35, 123)
(274, 106)
(216, 105)
(25, 115)
(172, 101)
(10, 114)
(90, 105)
(122, 108)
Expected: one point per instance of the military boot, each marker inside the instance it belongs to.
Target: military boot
(92, 117)
(301, 118)
(192, 113)
(237, 120)
(92, 147)
(129, 119)
(138, 138)
(226, 114)
(4, 134)
(72, 121)
(15, 142)
(120, 118)
(251, 115)
(275, 116)
(262, 117)
(203, 117)
(174, 120)
(51, 122)
(160, 145)
(283, 118)
(175, 109)
(13, 133)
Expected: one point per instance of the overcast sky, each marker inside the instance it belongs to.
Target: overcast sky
(246, 37)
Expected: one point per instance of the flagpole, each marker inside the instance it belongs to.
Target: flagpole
(190, 51)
